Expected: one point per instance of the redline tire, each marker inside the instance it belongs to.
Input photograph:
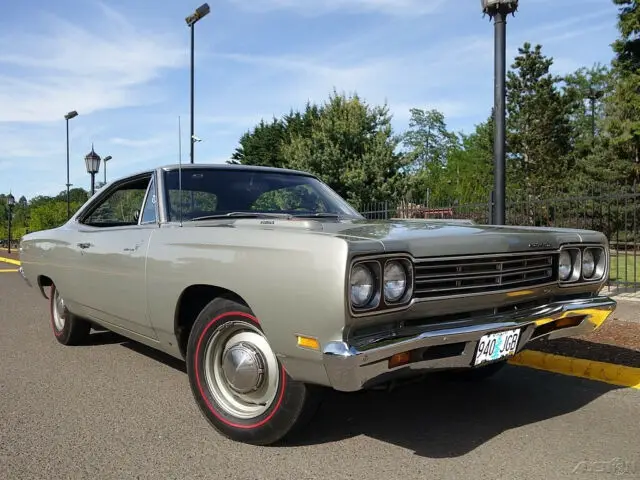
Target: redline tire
(68, 329)
(224, 331)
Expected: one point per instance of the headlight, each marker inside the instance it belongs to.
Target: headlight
(588, 264)
(565, 265)
(362, 286)
(395, 281)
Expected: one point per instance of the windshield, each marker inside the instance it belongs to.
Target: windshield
(211, 192)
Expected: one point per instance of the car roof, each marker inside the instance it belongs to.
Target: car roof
(230, 166)
(211, 166)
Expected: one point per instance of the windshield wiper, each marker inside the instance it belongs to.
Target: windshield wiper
(243, 215)
(319, 215)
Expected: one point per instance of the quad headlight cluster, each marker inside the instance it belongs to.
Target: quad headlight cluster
(587, 264)
(380, 283)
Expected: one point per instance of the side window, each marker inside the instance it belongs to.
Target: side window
(149, 211)
(121, 207)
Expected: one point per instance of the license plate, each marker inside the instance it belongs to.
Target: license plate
(495, 346)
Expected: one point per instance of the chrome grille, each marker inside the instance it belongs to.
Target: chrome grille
(486, 274)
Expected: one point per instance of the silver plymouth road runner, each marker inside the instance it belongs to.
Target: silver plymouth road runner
(270, 286)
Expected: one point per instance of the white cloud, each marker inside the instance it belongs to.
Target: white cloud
(46, 73)
(320, 7)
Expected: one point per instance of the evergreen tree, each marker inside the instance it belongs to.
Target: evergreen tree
(538, 125)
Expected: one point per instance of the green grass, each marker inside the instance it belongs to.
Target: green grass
(625, 268)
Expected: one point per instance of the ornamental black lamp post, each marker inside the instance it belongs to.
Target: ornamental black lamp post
(191, 20)
(68, 117)
(92, 162)
(498, 10)
(105, 160)
(11, 201)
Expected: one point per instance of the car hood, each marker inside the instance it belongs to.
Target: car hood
(423, 238)
(427, 238)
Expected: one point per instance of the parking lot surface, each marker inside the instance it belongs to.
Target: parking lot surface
(116, 409)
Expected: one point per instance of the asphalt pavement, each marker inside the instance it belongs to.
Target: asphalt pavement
(115, 409)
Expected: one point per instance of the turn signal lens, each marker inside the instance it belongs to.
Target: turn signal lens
(399, 359)
(308, 342)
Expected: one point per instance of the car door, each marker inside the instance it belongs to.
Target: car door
(112, 243)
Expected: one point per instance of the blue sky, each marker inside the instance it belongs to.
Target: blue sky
(124, 66)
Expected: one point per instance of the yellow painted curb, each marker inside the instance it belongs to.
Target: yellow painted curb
(10, 260)
(578, 367)
(7, 270)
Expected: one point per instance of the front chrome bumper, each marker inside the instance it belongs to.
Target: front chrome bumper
(350, 369)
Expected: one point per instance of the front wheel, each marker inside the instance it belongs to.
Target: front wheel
(237, 380)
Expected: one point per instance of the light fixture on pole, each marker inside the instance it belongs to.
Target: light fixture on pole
(68, 117)
(191, 20)
(11, 201)
(498, 10)
(105, 160)
(92, 162)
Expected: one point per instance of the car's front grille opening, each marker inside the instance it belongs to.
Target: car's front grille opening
(490, 273)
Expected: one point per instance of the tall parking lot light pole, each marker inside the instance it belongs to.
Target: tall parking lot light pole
(11, 201)
(105, 160)
(68, 117)
(498, 10)
(191, 20)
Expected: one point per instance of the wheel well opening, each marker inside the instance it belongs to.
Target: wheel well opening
(44, 281)
(191, 302)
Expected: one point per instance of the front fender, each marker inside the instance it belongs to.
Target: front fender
(293, 281)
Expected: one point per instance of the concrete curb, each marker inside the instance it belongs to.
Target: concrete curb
(620, 375)
(10, 260)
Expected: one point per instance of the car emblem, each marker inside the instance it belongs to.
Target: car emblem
(540, 245)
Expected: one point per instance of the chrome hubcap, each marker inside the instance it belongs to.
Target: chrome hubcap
(243, 367)
(59, 311)
(241, 370)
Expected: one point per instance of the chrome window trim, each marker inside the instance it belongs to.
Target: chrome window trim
(152, 184)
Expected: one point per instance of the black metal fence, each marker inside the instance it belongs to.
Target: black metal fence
(614, 214)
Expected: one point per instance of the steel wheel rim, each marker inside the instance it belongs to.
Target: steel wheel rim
(58, 311)
(235, 390)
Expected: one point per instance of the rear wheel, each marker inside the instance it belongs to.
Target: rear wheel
(68, 329)
(237, 380)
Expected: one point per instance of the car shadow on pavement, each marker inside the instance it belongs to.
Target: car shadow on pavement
(439, 418)
(101, 336)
